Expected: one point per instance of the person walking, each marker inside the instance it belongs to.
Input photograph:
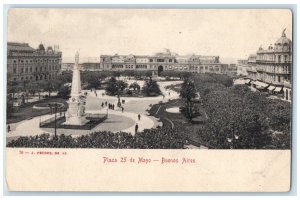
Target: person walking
(136, 128)
(139, 117)
(122, 109)
(8, 128)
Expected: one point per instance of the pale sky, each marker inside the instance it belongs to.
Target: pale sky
(226, 33)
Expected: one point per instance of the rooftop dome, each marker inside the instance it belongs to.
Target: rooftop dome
(283, 43)
(49, 50)
(41, 47)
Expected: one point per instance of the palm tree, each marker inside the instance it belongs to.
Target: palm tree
(188, 92)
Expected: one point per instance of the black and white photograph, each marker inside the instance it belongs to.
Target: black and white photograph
(149, 78)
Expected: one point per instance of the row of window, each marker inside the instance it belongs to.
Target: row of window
(129, 66)
(278, 58)
(117, 66)
(180, 67)
(38, 77)
(30, 69)
(274, 69)
(35, 60)
(141, 67)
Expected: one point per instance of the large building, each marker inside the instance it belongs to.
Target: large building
(165, 61)
(25, 63)
(271, 68)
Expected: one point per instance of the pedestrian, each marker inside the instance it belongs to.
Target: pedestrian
(122, 109)
(169, 93)
(102, 104)
(105, 103)
(113, 106)
(8, 128)
(136, 128)
(96, 94)
(139, 117)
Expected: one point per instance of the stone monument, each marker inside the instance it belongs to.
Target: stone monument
(76, 112)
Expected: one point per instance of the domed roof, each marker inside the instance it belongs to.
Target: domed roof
(283, 40)
(41, 47)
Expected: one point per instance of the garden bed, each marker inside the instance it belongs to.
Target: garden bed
(92, 123)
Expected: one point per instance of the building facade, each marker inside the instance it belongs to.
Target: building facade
(165, 61)
(242, 66)
(272, 67)
(25, 63)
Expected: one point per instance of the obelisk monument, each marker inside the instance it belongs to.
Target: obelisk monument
(75, 114)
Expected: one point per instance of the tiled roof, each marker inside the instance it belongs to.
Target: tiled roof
(14, 46)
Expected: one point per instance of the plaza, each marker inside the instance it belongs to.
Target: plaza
(117, 120)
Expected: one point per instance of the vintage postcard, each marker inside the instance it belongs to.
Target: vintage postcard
(169, 100)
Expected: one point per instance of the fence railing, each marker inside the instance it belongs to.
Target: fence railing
(50, 120)
(94, 120)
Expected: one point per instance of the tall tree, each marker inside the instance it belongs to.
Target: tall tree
(151, 88)
(112, 86)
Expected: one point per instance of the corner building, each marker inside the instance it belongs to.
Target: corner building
(271, 68)
(25, 63)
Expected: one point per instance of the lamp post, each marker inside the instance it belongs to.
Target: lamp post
(119, 102)
(55, 110)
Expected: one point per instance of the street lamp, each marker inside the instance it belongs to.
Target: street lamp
(55, 110)
(119, 101)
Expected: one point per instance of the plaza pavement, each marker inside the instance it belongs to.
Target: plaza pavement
(126, 120)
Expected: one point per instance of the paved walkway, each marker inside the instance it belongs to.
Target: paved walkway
(126, 120)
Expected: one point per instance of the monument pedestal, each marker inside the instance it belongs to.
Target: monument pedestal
(76, 120)
(75, 114)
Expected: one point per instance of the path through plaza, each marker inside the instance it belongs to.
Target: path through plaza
(117, 120)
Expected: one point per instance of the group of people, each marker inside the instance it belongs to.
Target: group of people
(110, 106)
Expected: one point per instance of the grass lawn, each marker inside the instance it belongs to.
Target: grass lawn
(27, 111)
(179, 121)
